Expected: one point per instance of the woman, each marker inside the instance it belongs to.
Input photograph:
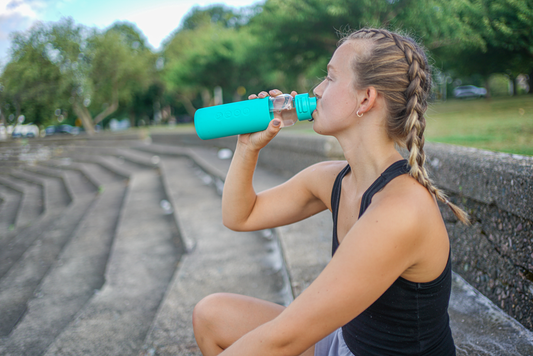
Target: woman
(386, 289)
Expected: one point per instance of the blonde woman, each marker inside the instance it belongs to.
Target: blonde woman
(386, 289)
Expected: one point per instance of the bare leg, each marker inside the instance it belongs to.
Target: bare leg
(221, 319)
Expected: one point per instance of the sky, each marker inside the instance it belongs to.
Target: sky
(157, 19)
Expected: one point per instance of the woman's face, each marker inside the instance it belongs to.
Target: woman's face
(336, 96)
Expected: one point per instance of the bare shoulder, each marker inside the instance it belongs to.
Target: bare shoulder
(320, 177)
(411, 199)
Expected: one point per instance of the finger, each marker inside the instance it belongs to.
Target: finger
(263, 94)
(252, 96)
(294, 93)
(275, 92)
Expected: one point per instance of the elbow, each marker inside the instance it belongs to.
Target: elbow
(232, 224)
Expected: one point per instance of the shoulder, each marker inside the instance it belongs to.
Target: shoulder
(408, 196)
(412, 219)
(320, 178)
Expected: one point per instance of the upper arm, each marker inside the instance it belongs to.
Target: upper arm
(374, 253)
(305, 194)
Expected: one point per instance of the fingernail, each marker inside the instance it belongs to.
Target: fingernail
(276, 122)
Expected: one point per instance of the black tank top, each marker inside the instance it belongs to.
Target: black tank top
(409, 318)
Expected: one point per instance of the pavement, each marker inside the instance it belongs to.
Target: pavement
(107, 244)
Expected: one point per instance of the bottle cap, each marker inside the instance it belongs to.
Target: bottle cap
(304, 106)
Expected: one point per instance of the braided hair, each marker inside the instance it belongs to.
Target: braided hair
(397, 67)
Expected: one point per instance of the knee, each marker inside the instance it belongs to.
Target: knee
(207, 310)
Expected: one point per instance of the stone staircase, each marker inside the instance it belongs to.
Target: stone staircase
(106, 245)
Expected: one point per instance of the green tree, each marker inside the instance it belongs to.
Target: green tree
(209, 53)
(300, 36)
(115, 65)
(505, 28)
(31, 81)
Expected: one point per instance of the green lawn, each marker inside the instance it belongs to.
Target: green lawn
(502, 124)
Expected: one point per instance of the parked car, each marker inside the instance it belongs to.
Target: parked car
(469, 91)
(62, 129)
(29, 130)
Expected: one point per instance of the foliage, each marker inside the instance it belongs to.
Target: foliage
(505, 28)
(70, 70)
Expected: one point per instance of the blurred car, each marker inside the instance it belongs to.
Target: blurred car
(29, 130)
(62, 129)
(469, 91)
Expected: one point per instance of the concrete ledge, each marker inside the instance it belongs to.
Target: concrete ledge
(495, 254)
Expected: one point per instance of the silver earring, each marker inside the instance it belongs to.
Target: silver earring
(357, 113)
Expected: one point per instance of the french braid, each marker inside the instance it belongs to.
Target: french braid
(397, 67)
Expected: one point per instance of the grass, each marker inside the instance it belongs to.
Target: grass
(503, 124)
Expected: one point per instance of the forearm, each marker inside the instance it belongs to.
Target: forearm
(239, 197)
(266, 340)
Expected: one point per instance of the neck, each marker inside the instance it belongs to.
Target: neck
(369, 151)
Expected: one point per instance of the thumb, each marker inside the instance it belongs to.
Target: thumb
(274, 127)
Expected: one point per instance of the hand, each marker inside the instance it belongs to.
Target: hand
(258, 140)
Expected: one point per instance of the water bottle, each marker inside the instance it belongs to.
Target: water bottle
(252, 115)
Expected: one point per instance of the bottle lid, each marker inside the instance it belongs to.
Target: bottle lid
(304, 106)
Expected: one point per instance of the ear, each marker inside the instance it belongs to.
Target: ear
(367, 99)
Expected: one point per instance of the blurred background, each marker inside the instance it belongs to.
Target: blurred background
(77, 67)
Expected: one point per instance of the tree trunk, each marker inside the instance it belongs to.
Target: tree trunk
(206, 98)
(191, 110)
(132, 119)
(515, 86)
(487, 87)
(109, 110)
(530, 83)
(85, 117)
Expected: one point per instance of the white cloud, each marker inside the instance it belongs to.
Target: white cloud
(15, 16)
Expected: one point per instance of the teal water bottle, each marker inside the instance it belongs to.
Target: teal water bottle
(252, 115)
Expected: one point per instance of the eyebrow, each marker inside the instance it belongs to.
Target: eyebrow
(330, 68)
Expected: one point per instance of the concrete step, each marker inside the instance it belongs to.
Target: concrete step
(221, 260)
(74, 279)
(76, 184)
(143, 259)
(8, 210)
(139, 158)
(94, 173)
(113, 168)
(32, 202)
(20, 282)
(120, 165)
(55, 195)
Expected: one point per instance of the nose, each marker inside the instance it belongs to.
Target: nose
(318, 90)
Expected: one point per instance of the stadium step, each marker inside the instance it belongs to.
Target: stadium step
(8, 210)
(116, 264)
(142, 261)
(31, 204)
(74, 278)
(219, 260)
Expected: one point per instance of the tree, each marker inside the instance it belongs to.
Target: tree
(209, 53)
(506, 32)
(300, 36)
(114, 65)
(31, 81)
